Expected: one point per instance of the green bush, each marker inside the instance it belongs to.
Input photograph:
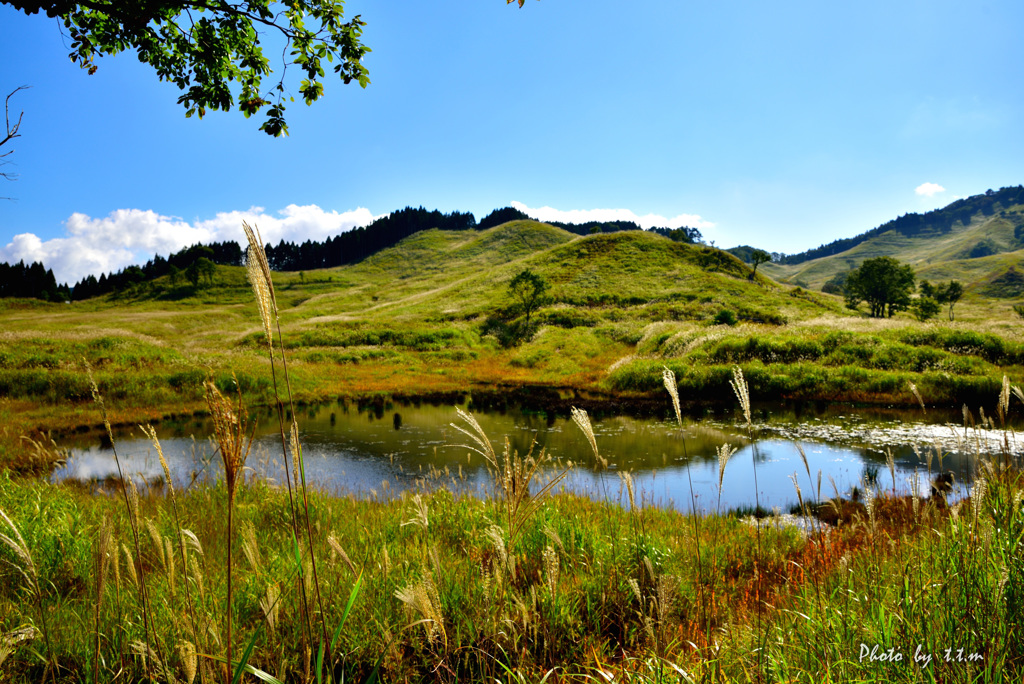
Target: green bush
(725, 317)
(415, 340)
(925, 308)
(989, 347)
(567, 318)
(754, 315)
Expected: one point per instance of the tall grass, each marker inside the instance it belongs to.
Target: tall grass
(739, 386)
(669, 379)
(230, 428)
(132, 509)
(260, 277)
(27, 568)
(569, 606)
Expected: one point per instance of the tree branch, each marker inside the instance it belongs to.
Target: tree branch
(11, 132)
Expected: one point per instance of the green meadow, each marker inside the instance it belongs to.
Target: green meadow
(293, 585)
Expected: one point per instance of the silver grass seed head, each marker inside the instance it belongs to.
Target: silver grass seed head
(262, 294)
(229, 427)
(1004, 399)
(803, 457)
(258, 271)
(16, 543)
(150, 432)
(339, 551)
(917, 395)
(627, 479)
(799, 493)
(739, 386)
(256, 250)
(189, 660)
(477, 434)
(724, 453)
(669, 378)
(582, 420)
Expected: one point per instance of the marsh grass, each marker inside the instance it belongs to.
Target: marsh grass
(261, 279)
(512, 474)
(579, 620)
(131, 504)
(234, 441)
(26, 567)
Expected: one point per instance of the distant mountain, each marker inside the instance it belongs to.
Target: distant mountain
(977, 240)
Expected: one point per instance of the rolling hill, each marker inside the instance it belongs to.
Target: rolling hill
(978, 241)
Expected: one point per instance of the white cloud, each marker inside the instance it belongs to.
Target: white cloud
(929, 189)
(604, 215)
(133, 236)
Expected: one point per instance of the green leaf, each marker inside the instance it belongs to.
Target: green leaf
(244, 660)
(344, 616)
(255, 671)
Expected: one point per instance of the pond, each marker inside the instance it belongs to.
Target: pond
(379, 451)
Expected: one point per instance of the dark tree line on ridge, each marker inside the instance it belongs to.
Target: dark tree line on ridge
(192, 264)
(187, 265)
(938, 221)
(499, 216)
(359, 243)
(33, 281)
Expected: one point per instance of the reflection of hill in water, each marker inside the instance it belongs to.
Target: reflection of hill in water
(358, 450)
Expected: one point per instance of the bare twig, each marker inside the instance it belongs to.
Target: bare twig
(11, 132)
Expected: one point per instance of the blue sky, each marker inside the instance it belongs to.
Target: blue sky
(781, 125)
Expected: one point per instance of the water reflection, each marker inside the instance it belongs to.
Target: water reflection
(386, 448)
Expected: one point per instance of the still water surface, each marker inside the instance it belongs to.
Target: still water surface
(383, 450)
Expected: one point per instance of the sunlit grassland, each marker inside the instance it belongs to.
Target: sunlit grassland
(411, 319)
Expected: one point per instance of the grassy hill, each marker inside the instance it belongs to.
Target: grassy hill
(976, 241)
(426, 316)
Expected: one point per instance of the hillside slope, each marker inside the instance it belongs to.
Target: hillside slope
(648, 274)
(975, 241)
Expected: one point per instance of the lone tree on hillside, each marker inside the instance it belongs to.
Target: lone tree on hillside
(201, 269)
(758, 257)
(527, 289)
(925, 307)
(950, 293)
(884, 283)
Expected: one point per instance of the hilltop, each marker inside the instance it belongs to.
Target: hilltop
(977, 240)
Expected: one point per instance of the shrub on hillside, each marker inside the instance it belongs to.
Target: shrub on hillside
(982, 249)
(754, 315)
(725, 317)
(925, 308)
